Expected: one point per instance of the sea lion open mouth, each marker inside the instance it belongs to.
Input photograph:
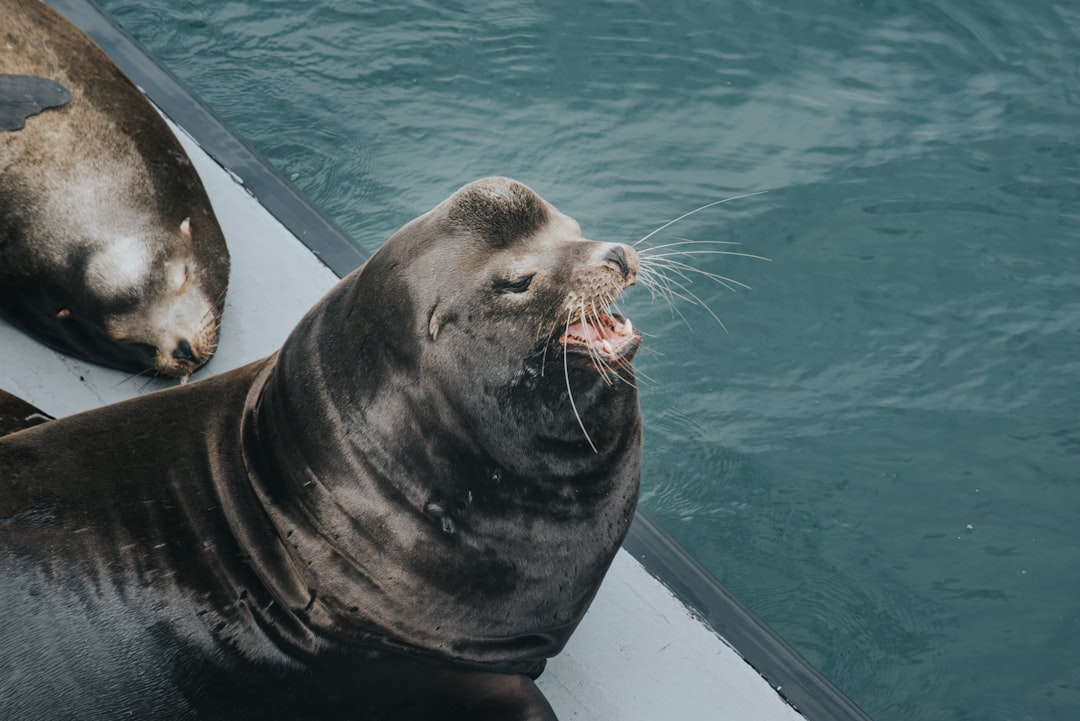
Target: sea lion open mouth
(591, 328)
(611, 337)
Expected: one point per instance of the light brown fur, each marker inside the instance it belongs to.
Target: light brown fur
(101, 213)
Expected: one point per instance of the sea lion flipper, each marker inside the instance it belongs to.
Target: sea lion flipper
(478, 696)
(16, 414)
(24, 95)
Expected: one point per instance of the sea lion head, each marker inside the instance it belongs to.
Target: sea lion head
(459, 420)
(166, 308)
(134, 298)
(109, 247)
(494, 306)
(518, 318)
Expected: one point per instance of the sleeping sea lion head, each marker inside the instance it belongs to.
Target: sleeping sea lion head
(109, 247)
(138, 299)
(164, 308)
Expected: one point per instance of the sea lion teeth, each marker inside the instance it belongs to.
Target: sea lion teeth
(628, 329)
(606, 345)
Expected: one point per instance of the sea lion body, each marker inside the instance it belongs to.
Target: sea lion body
(399, 515)
(133, 597)
(109, 247)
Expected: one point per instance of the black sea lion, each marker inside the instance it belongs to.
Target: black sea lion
(400, 515)
(109, 248)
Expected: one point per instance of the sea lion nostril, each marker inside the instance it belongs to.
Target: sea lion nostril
(618, 256)
(183, 352)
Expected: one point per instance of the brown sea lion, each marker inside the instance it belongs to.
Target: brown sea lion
(399, 515)
(109, 248)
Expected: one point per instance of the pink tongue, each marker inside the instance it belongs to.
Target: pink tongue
(588, 332)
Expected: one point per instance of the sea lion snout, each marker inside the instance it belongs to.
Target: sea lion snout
(183, 352)
(185, 356)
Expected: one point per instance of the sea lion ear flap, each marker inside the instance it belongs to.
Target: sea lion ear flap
(435, 322)
(438, 319)
(185, 227)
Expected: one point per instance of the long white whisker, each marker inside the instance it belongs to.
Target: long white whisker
(705, 305)
(133, 376)
(593, 353)
(658, 284)
(698, 210)
(655, 282)
(683, 297)
(672, 267)
(680, 268)
(688, 241)
(693, 298)
(608, 300)
(645, 276)
(662, 285)
(606, 369)
(706, 252)
(569, 392)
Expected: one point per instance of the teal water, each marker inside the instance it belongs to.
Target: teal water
(881, 456)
